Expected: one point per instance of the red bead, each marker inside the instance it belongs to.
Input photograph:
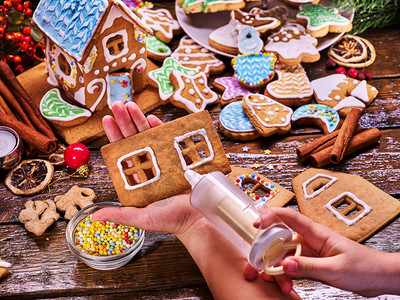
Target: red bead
(26, 39)
(17, 59)
(237, 180)
(257, 197)
(26, 4)
(361, 76)
(17, 37)
(368, 76)
(19, 7)
(258, 178)
(340, 70)
(24, 46)
(27, 11)
(352, 73)
(76, 155)
(27, 30)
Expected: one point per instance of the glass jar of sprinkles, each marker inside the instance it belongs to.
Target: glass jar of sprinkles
(102, 245)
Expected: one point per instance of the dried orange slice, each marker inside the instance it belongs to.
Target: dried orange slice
(348, 49)
(29, 177)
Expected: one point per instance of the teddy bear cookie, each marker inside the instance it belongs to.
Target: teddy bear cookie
(161, 22)
(317, 115)
(267, 115)
(259, 23)
(343, 93)
(249, 40)
(156, 49)
(293, 45)
(319, 20)
(209, 6)
(234, 123)
(254, 70)
(191, 55)
(191, 92)
(292, 88)
(231, 88)
(352, 52)
(75, 197)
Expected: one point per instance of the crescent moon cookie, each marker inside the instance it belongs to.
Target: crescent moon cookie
(191, 55)
(267, 115)
(318, 115)
(234, 123)
(293, 45)
(209, 6)
(319, 20)
(191, 92)
(231, 88)
(254, 70)
(293, 88)
(249, 40)
(260, 23)
(343, 93)
(352, 52)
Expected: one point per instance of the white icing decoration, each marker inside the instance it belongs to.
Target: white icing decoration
(337, 97)
(266, 120)
(283, 119)
(124, 59)
(188, 50)
(191, 91)
(324, 86)
(106, 68)
(201, 81)
(52, 80)
(276, 109)
(206, 91)
(187, 80)
(90, 88)
(80, 96)
(97, 72)
(355, 81)
(69, 80)
(373, 89)
(154, 161)
(337, 214)
(265, 104)
(90, 60)
(108, 57)
(141, 62)
(115, 63)
(361, 91)
(227, 35)
(132, 57)
(198, 101)
(348, 102)
(142, 50)
(181, 138)
(159, 20)
(321, 189)
(186, 58)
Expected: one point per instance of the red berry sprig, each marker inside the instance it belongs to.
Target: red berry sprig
(352, 72)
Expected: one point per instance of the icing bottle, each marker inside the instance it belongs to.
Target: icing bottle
(233, 213)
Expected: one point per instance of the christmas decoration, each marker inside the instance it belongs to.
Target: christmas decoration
(20, 45)
(372, 13)
(77, 156)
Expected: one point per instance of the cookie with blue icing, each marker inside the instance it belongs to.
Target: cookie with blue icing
(249, 40)
(234, 123)
(318, 115)
(254, 70)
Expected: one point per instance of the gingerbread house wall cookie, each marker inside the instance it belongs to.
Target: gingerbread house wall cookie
(86, 41)
(150, 166)
(347, 203)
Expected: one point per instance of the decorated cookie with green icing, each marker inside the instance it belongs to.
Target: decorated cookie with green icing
(55, 109)
(318, 17)
(157, 49)
(160, 77)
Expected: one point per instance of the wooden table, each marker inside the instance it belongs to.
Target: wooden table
(43, 267)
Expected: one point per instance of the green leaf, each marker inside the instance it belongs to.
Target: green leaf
(11, 48)
(15, 17)
(36, 35)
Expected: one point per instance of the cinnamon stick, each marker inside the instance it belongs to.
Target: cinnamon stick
(361, 140)
(305, 151)
(13, 102)
(25, 99)
(39, 141)
(5, 107)
(344, 136)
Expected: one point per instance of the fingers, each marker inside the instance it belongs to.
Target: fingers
(112, 130)
(138, 118)
(250, 273)
(154, 121)
(123, 119)
(322, 269)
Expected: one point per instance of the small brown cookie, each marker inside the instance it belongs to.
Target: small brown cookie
(209, 6)
(297, 3)
(260, 23)
(260, 188)
(75, 197)
(231, 88)
(279, 12)
(191, 92)
(4, 268)
(293, 45)
(267, 115)
(343, 93)
(38, 215)
(352, 52)
(191, 55)
(293, 88)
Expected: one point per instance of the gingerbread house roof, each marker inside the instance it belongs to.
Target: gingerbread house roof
(72, 24)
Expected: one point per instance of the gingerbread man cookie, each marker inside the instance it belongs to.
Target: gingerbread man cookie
(191, 55)
(319, 20)
(343, 93)
(267, 115)
(231, 88)
(75, 197)
(293, 88)
(191, 92)
(292, 45)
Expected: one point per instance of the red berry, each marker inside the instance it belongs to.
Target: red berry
(330, 63)
(368, 76)
(19, 68)
(17, 37)
(76, 155)
(17, 59)
(352, 73)
(19, 7)
(9, 58)
(340, 70)
(26, 39)
(7, 3)
(27, 30)
(27, 11)
(24, 46)
(2, 30)
(361, 76)
(26, 4)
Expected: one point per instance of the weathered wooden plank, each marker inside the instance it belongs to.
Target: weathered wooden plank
(44, 267)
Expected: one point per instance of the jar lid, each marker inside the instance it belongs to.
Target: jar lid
(275, 232)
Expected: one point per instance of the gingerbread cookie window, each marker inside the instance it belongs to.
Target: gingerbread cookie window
(256, 187)
(348, 208)
(115, 45)
(64, 64)
(194, 149)
(317, 184)
(138, 168)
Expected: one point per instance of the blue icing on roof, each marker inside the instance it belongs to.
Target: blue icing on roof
(233, 118)
(325, 113)
(71, 24)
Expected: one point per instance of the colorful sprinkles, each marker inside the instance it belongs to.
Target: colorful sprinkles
(327, 114)
(103, 238)
(242, 179)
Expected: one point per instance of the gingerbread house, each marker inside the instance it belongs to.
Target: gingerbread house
(95, 49)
